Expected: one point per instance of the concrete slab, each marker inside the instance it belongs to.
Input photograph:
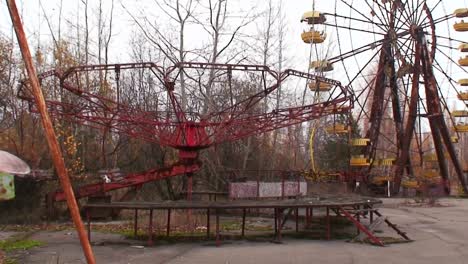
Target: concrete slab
(439, 232)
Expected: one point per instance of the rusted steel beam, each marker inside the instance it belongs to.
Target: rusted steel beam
(130, 180)
(54, 146)
(362, 227)
(410, 123)
(440, 132)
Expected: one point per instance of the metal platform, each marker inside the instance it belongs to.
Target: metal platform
(350, 207)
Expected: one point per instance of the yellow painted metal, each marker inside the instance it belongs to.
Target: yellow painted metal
(410, 184)
(313, 17)
(461, 12)
(323, 66)
(461, 128)
(463, 96)
(387, 162)
(359, 161)
(463, 61)
(463, 82)
(313, 36)
(360, 142)
(461, 26)
(320, 86)
(460, 113)
(430, 157)
(381, 179)
(337, 129)
(463, 47)
(430, 174)
(311, 148)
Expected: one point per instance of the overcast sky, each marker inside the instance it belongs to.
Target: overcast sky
(296, 50)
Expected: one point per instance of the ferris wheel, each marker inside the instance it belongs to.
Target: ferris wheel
(401, 60)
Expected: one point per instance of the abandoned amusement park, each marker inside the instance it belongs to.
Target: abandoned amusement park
(233, 131)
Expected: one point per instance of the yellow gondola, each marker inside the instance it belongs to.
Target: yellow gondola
(463, 47)
(359, 161)
(313, 17)
(431, 174)
(360, 142)
(463, 61)
(387, 162)
(410, 184)
(313, 36)
(460, 113)
(463, 82)
(379, 180)
(461, 128)
(430, 157)
(337, 129)
(320, 86)
(463, 96)
(461, 12)
(461, 26)
(325, 66)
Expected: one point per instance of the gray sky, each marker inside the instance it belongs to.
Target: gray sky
(296, 50)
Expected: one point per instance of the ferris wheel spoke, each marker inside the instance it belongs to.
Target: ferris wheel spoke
(360, 13)
(381, 26)
(385, 18)
(452, 82)
(438, 20)
(452, 60)
(420, 17)
(355, 52)
(352, 28)
(436, 5)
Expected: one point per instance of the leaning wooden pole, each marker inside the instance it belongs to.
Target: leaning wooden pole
(54, 147)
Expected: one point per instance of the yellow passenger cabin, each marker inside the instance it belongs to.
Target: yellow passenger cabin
(313, 17)
(431, 174)
(359, 161)
(410, 184)
(387, 162)
(319, 86)
(461, 26)
(360, 142)
(432, 157)
(463, 96)
(313, 36)
(463, 82)
(379, 180)
(325, 66)
(461, 128)
(461, 12)
(463, 47)
(337, 129)
(460, 113)
(463, 61)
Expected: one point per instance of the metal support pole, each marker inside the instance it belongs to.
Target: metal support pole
(276, 221)
(208, 223)
(218, 242)
(49, 132)
(243, 222)
(328, 224)
(280, 216)
(358, 217)
(88, 218)
(168, 228)
(297, 219)
(150, 229)
(135, 224)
